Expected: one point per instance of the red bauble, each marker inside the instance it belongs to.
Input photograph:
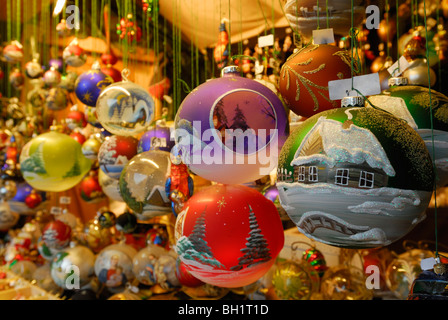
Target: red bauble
(112, 72)
(33, 200)
(56, 234)
(78, 136)
(76, 119)
(185, 278)
(228, 235)
(304, 78)
(109, 58)
(90, 188)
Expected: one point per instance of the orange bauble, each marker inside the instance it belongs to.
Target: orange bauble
(304, 78)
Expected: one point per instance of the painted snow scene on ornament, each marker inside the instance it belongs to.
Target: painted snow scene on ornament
(340, 186)
(115, 153)
(412, 104)
(244, 120)
(125, 108)
(195, 251)
(142, 184)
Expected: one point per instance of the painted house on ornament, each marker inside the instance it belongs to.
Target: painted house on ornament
(332, 153)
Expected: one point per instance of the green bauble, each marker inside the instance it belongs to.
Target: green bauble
(427, 113)
(355, 177)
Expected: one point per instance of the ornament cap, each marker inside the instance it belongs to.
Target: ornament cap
(230, 71)
(398, 81)
(352, 101)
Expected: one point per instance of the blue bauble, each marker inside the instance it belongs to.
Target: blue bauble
(89, 85)
(156, 138)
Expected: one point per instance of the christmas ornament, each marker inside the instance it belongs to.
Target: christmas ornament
(56, 63)
(78, 136)
(316, 260)
(37, 96)
(306, 15)
(107, 219)
(91, 147)
(144, 263)
(125, 108)
(414, 104)
(115, 152)
(376, 166)
(53, 161)
(16, 79)
(42, 278)
(70, 219)
(344, 283)
(218, 256)
(90, 188)
(126, 222)
(33, 69)
(128, 29)
(165, 272)
(13, 52)
(75, 118)
(110, 186)
(56, 234)
(94, 236)
(230, 129)
(221, 51)
(68, 81)
(142, 184)
(74, 55)
(404, 270)
(33, 200)
(56, 99)
(429, 285)
(90, 83)
(62, 29)
(73, 267)
(52, 77)
(293, 281)
(19, 202)
(303, 82)
(156, 138)
(184, 276)
(8, 218)
(179, 185)
(112, 72)
(113, 265)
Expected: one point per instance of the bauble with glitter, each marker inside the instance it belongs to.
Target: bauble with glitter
(355, 177)
(228, 235)
(90, 83)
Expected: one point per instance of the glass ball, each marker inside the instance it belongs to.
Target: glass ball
(53, 162)
(56, 98)
(125, 108)
(115, 152)
(144, 263)
(142, 184)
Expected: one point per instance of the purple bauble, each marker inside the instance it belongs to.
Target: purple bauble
(57, 63)
(89, 85)
(156, 138)
(231, 129)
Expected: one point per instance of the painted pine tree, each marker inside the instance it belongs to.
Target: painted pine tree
(35, 163)
(256, 250)
(220, 114)
(198, 234)
(74, 171)
(239, 120)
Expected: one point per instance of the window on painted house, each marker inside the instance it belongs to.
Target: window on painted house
(366, 179)
(312, 174)
(301, 176)
(342, 177)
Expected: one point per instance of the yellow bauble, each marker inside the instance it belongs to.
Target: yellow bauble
(53, 162)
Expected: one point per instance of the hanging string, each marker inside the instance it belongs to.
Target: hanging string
(230, 31)
(439, 63)
(398, 34)
(326, 9)
(318, 9)
(432, 134)
(387, 24)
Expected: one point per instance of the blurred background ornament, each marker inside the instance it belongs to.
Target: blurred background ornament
(56, 234)
(33, 69)
(75, 118)
(73, 55)
(13, 52)
(144, 263)
(126, 222)
(90, 188)
(106, 218)
(127, 29)
(94, 236)
(52, 77)
(165, 272)
(17, 79)
(221, 50)
(68, 81)
(89, 84)
(57, 99)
